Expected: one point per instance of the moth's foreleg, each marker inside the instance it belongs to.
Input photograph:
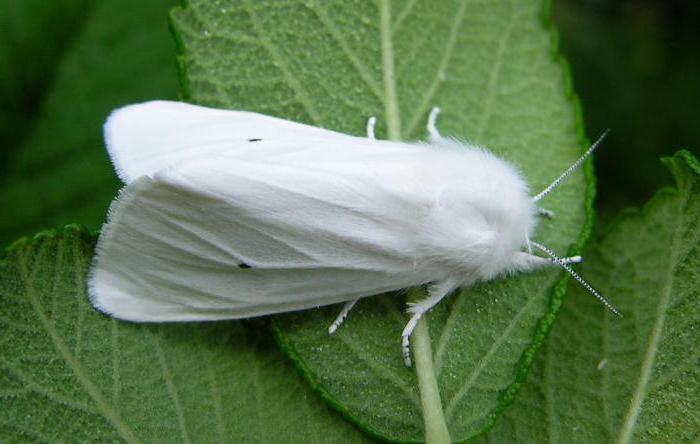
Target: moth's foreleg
(432, 128)
(341, 317)
(570, 260)
(436, 291)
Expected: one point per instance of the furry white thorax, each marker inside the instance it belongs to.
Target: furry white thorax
(478, 211)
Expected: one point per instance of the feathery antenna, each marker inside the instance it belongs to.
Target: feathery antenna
(571, 169)
(580, 280)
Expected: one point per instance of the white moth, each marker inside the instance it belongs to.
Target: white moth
(232, 214)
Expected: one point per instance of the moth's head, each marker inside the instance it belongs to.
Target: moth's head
(563, 263)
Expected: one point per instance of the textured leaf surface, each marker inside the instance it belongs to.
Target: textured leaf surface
(71, 374)
(59, 172)
(491, 67)
(604, 379)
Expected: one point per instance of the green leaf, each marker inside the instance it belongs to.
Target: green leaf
(492, 68)
(58, 172)
(69, 373)
(605, 379)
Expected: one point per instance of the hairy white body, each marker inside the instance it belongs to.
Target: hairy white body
(230, 214)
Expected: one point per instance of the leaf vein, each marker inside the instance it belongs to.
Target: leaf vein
(215, 396)
(351, 56)
(405, 12)
(494, 76)
(379, 369)
(391, 101)
(452, 404)
(170, 384)
(72, 361)
(284, 68)
(116, 382)
(425, 103)
(448, 329)
(41, 390)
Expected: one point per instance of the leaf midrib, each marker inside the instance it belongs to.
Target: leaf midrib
(628, 428)
(435, 425)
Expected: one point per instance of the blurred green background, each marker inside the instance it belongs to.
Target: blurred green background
(636, 68)
(64, 64)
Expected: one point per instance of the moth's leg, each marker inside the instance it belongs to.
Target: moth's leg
(545, 213)
(526, 262)
(370, 127)
(432, 129)
(437, 291)
(341, 317)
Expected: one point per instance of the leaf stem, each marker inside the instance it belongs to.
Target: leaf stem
(433, 416)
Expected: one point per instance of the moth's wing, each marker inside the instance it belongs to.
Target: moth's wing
(148, 137)
(178, 245)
